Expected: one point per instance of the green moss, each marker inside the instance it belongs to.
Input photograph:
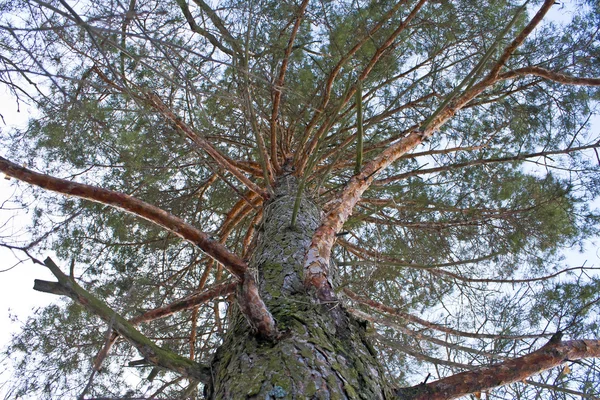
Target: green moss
(254, 386)
(310, 389)
(331, 382)
(306, 352)
(350, 391)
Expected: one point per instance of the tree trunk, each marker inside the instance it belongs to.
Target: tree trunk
(322, 352)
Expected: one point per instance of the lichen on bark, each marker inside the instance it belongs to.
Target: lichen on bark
(323, 352)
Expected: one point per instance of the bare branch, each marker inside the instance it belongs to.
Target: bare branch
(450, 167)
(195, 28)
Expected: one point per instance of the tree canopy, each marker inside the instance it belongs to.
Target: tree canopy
(450, 145)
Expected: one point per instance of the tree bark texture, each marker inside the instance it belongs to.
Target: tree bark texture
(322, 352)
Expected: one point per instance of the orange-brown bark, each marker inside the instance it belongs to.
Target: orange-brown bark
(174, 224)
(553, 354)
(319, 252)
(551, 75)
(187, 303)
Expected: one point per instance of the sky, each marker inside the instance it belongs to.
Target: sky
(17, 273)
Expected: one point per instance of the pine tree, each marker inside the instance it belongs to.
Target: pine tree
(306, 200)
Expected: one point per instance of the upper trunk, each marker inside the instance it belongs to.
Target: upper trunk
(323, 352)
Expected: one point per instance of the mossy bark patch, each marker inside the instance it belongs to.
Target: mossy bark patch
(323, 353)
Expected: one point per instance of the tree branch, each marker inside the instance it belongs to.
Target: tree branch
(550, 75)
(279, 85)
(238, 267)
(151, 352)
(218, 23)
(553, 354)
(441, 328)
(195, 28)
(132, 205)
(219, 158)
(187, 303)
(316, 263)
(306, 151)
(450, 167)
(336, 70)
(510, 49)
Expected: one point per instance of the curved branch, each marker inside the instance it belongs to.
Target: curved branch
(151, 352)
(132, 205)
(252, 305)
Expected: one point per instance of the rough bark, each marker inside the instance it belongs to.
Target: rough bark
(322, 353)
(248, 297)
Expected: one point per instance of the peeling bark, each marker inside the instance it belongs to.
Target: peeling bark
(317, 259)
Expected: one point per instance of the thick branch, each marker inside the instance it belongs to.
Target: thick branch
(151, 352)
(176, 225)
(187, 303)
(317, 259)
(130, 204)
(510, 49)
(549, 356)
